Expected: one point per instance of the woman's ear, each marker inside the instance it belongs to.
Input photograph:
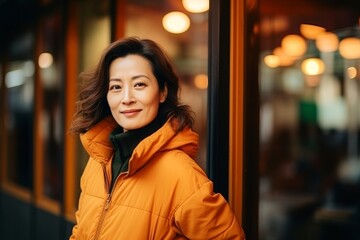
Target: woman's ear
(163, 94)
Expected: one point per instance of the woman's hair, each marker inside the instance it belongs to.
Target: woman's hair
(92, 105)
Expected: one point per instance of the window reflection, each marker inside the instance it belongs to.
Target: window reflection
(51, 112)
(309, 121)
(19, 104)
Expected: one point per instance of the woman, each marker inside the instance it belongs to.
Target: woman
(141, 181)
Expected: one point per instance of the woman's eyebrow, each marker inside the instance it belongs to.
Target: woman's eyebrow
(139, 76)
(132, 78)
(115, 79)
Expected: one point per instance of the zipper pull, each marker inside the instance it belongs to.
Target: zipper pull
(107, 203)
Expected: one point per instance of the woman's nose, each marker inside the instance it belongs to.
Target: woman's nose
(127, 96)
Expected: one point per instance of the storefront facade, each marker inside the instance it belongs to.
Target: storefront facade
(273, 143)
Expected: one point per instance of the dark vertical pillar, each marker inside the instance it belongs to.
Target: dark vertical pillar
(250, 210)
(218, 95)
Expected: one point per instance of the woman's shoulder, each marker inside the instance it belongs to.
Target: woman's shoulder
(178, 165)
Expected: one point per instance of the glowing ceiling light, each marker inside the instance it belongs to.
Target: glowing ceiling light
(196, 6)
(201, 81)
(176, 22)
(45, 60)
(349, 48)
(313, 66)
(272, 61)
(311, 31)
(327, 42)
(285, 60)
(352, 72)
(294, 45)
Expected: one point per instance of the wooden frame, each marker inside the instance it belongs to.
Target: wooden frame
(40, 200)
(12, 188)
(71, 65)
(236, 102)
(118, 18)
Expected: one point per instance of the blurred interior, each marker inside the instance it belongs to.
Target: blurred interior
(309, 119)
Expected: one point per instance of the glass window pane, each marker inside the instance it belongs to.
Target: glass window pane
(51, 115)
(309, 120)
(19, 107)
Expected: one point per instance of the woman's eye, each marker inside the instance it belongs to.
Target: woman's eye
(140, 85)
(115, 87)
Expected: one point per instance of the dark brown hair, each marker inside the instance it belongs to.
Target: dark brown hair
(92, 105)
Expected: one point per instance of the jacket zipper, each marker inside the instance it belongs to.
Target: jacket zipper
(102, 217)
(107, 202)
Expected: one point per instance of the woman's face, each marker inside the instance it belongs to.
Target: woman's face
(134, 95)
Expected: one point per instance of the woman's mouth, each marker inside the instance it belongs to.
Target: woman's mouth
(130, 112)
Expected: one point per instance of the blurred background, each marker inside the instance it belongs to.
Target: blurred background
(309, 119)
(305, 92)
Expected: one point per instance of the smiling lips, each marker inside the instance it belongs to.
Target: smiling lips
(130, 112)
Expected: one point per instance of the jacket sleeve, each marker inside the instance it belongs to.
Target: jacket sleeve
(206, 215)
(77, 218)
(78, 212)
(74, 230)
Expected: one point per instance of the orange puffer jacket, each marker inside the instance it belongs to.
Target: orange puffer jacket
(163, 195)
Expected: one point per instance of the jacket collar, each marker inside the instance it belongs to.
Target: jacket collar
(97, 143)
(96, 140)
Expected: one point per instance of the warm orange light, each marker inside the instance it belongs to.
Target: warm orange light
(201, 81)
(45, 60)
(311, 31)
(294, 45)
(176, 22)
(312, 66)
(285, 60)
(352, 72)
(327, 42)
(272, 61)
(349, 48)
(196, 6)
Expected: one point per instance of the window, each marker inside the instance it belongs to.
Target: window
(49, 112)
(19, 112)
(309, 121)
